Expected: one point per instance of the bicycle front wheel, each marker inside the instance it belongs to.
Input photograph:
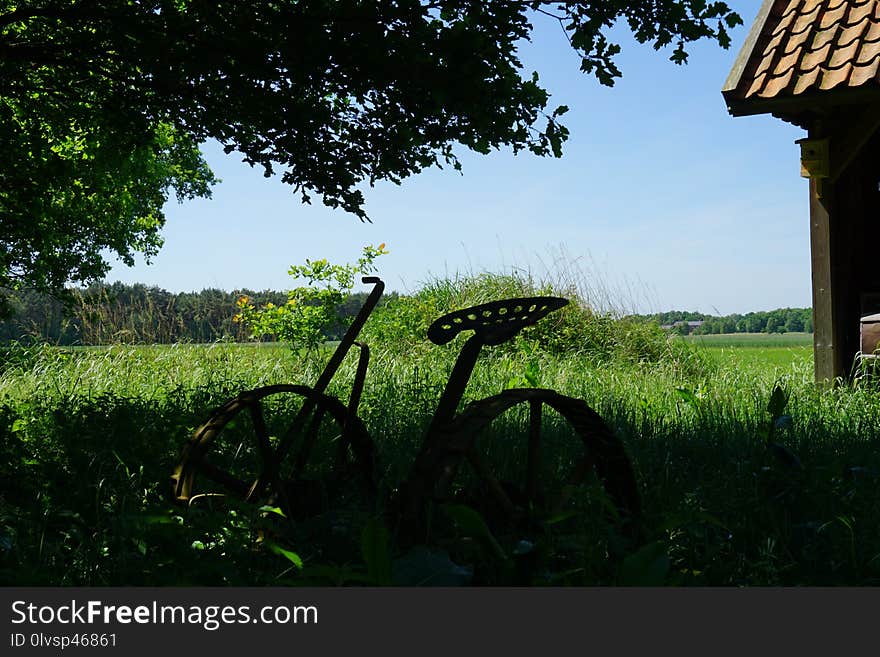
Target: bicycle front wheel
(287, 445)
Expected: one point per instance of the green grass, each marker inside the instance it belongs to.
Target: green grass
(752, 340)
(777, 352)
(88, 439)
(90, 436)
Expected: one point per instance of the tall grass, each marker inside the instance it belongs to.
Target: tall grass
(88, 438)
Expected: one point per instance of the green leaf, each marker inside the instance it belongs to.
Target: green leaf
(733, 20)
(532, 373)
(778, 401)
(562, 516)
(157, 519)
(688, 396)
(292, 557)
(272, 509)
(471, 523)
(709, 519)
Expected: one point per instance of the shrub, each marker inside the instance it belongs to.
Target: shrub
(400, 325)
(311, 309)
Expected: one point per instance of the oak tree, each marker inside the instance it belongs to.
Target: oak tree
(103, 103)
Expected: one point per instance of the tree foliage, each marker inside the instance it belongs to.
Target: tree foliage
(103, 103)
(105, 314)
(780, 320)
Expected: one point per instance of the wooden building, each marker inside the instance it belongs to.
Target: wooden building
(816, 64)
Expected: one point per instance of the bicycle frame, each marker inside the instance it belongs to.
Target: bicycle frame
(339, 354)
(448, 440)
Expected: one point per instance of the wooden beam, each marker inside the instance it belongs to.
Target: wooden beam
(745, 53)
(802, 109)
(826, 359)
(847, 142)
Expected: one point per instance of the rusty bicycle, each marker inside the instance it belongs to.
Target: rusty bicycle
(316, 452)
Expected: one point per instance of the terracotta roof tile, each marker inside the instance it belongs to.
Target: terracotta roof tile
(803, 45)
(866, 73)
(797, 39)
(775, 41)
(788, 62)
(757, 85)
(869, 49)
(852, 33)
(858, 12)
(844, 56)
(806, 19)
(834, 77)
(777, 84)
(816, 57)
(786, 19)
(834, 5)
(806, 81)
(821, 38)
(768, 62)
(833, 15)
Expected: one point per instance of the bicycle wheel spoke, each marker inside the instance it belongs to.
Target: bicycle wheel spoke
(308, 442)
(268, 471)
(533, 466)
(495, 487)
(222, 477)
(548, 490)
(246, 462)
(263, 444)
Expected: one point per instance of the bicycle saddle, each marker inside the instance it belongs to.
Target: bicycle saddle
(495, 322)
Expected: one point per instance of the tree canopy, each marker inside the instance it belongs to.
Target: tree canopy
(103, 103)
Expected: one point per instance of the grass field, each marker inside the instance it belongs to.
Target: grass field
(89, 438)
(780, 351)
(752, 340)
(747, 472)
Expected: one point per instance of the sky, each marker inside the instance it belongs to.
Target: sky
(661, 200)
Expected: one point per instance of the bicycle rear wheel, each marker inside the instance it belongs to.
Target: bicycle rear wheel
(534, 456)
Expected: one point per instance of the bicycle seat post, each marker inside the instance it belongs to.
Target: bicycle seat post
(493, 323)
(458, 380)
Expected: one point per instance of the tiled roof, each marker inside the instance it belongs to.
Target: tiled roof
(799, 47)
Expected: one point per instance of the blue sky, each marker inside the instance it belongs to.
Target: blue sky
(661, 200)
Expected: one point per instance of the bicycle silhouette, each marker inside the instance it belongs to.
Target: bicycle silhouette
(306, 464)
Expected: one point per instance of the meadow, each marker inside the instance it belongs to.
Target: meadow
(763, 350)
(737, 490)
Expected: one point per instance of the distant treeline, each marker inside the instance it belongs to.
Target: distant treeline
(781, 320)
(107, 314)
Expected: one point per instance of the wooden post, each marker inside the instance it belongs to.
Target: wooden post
(826, 356)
